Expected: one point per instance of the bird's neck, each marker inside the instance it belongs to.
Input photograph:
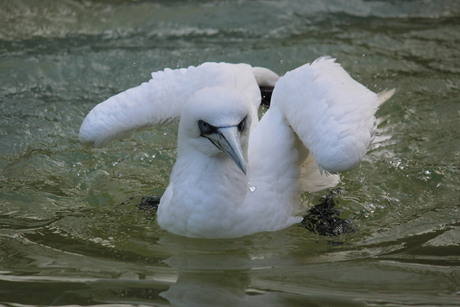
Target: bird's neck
(217, 176)
(206, 193)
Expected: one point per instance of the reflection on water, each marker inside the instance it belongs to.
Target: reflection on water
(70, 233)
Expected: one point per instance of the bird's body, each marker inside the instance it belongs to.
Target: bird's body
(234, 175)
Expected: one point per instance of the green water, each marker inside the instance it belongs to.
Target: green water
(69, 235)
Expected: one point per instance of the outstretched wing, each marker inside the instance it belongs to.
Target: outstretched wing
(333, 114)
(161, 100)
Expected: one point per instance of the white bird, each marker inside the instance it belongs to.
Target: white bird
(234, 175)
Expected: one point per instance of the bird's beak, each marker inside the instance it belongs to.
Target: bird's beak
(227, 139)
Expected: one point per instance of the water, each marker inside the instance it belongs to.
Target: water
(71, 233)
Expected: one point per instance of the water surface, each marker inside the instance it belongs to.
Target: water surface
(70, 233)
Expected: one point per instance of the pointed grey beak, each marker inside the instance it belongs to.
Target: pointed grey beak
(227, 139)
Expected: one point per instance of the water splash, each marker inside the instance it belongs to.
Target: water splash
(252, 188)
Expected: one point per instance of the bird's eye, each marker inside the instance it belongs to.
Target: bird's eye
(242, 125)
(205, 128)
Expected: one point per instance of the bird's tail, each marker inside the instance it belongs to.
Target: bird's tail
(385, 95)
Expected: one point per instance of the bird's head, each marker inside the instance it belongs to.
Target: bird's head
(216, 122)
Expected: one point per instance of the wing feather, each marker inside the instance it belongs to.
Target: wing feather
(333, 115)
(161, 100)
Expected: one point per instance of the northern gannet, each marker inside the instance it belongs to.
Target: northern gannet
(235, 175)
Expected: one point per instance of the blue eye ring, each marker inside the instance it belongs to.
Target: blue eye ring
(206, 128)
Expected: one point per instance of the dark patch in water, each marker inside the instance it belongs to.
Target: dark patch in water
(323, 219)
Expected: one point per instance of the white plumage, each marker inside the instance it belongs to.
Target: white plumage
(234, 175)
